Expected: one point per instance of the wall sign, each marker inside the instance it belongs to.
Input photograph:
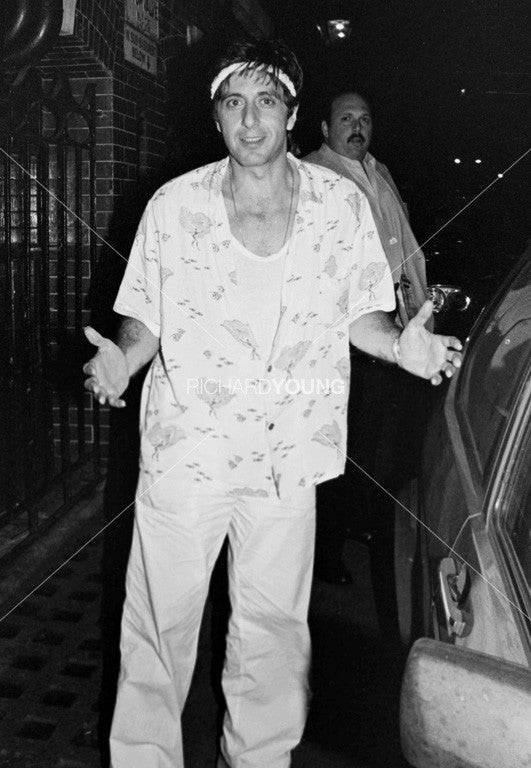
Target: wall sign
(69, 15)
(144, 16)
(140, 50)
(141, 31)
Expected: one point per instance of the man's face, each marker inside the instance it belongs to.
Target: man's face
(253, 118)
(350, 130)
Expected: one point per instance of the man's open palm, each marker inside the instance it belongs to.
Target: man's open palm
(107, 370)
(427, 354)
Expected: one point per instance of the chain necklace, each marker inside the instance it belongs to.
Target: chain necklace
(240, 230)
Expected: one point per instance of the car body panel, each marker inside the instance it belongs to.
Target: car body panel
(462, 709)
(492, 625)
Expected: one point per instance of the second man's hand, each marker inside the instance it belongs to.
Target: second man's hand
(107, 370)
(428, 355)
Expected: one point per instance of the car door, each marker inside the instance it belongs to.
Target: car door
(466, 698)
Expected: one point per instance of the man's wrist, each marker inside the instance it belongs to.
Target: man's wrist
(131, 366)
(395, 349)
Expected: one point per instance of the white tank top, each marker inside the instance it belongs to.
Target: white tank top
(260, 280)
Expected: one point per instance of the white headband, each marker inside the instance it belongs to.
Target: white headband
(227, 71)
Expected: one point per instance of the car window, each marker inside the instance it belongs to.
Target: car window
(512, 513)
(494, 370)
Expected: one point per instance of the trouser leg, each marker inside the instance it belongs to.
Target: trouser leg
(172, 556)
(265, 678)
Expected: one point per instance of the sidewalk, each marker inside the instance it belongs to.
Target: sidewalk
(51, 671)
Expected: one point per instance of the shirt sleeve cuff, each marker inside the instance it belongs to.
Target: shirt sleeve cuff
(127, 311)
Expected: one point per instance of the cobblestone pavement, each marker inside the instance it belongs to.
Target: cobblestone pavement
(50, 651)
(51, 671)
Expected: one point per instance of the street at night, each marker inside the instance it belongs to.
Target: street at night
(266, 384)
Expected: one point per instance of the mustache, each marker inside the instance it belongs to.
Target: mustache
(357, 136)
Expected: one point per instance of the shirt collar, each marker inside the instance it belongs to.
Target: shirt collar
(352, 165)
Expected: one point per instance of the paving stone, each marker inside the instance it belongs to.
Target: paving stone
(48, 637)
(92, 645)
(64, 573)
(10, 690)
(9, 630)
(78, 669)
(31, 663)
(80, 557)
(59, 698)
(71, 617)
(46, 590)
(87, 736)
(84, 595)
(94, 578)
(34, 728)
(27, 608)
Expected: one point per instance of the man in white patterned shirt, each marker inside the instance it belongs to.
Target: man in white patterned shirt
(245, 282)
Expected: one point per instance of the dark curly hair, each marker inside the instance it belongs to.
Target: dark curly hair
(262, 54)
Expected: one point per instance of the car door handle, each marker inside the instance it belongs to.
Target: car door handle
(453, 585)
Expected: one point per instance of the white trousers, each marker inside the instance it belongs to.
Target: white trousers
(265, 677)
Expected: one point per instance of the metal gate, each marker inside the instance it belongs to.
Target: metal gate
(49, 432)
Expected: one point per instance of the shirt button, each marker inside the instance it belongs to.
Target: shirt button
(269, 368)
(270, 426)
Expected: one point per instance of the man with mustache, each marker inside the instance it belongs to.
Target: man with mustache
(384, 427)
(347, 130)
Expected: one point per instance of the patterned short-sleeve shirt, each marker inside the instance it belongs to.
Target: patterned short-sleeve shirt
(215, 407)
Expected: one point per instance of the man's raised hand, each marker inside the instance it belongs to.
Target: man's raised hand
(426, 354)
(107, 370)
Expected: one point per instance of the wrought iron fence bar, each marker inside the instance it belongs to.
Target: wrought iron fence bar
(78, 284)
(25, 343)
(10, 484)
(43, 236)
(93, 250)
(62, 315)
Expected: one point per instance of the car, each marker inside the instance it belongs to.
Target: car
(463, 554)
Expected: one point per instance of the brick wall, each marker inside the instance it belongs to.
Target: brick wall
(130, 147)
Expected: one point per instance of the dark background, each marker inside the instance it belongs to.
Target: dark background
(414, 58)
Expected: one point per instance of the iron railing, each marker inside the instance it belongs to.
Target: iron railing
(49, 430)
